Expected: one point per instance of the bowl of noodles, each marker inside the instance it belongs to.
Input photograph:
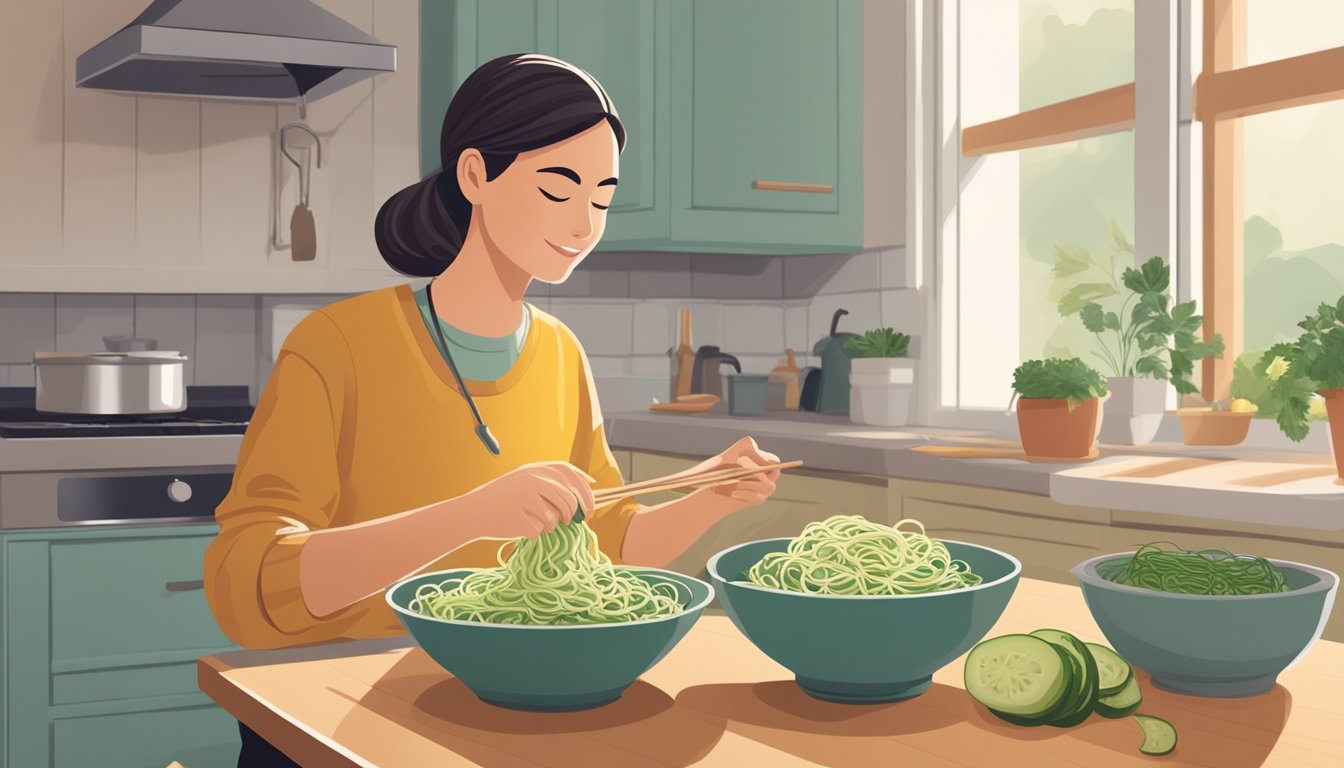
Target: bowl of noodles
(862, 612)
(555, 627)
(1207, 622)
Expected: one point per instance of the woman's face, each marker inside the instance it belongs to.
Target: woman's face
(548, 209)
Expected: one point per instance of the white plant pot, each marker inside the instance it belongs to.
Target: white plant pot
(1133, 411)
(880, 390)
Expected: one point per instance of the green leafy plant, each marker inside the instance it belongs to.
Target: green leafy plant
(1148, 336)
(1060, 379)
(881, 342)
(1298, 370)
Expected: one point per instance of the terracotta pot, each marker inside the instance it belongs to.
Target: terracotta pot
(1050, 430)
(1205, 426)
(1334, 405)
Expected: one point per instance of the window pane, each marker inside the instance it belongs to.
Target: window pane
(1070, 195)
(1294, 247)
(1279, 30)
(1074, 47)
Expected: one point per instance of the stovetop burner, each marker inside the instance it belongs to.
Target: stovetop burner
(211, 410)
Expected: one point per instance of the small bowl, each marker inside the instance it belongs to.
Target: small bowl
(1211, 645)
(1205, 426)
(866, 648)
(549, 668)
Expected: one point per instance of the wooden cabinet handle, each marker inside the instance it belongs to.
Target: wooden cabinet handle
(792, 186)
(184, 586)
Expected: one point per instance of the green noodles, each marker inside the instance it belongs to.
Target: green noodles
(848, 555)
(1196, 572)
(561, 577)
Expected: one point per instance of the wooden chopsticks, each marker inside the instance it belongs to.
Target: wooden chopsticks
(694, 480)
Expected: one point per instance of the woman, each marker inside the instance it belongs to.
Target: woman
(360, 466)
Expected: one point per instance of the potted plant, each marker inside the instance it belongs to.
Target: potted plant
(1059, 408)
(1146, 343)
(881, 378)
(1311, 366)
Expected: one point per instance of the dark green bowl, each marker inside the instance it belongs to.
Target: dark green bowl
(1211, 645)
(549, 667)
(864, 649)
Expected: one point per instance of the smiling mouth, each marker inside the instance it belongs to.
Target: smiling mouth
(563, 251)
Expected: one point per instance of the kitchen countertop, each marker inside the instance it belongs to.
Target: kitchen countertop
(1289, 489)
(716, 700)
(112, 453)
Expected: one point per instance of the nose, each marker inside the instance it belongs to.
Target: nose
(582, 225)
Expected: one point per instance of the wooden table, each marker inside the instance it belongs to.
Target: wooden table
(717, 701)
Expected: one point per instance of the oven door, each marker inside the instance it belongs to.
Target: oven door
(127, 497)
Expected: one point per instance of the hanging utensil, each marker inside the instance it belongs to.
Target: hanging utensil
(302, 229)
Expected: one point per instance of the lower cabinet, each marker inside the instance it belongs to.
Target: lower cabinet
(102, 629)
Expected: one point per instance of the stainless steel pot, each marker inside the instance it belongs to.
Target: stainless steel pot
(110, 383)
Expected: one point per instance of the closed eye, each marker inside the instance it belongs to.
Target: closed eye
(551, 197)
(601, 207)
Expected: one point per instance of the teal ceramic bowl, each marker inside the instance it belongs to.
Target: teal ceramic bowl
(549, 667)
(864, 649)
(1211, 645)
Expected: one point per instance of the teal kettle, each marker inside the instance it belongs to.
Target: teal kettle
(833, 394)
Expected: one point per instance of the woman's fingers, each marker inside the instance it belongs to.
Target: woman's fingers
(561, 497)
(575, 480)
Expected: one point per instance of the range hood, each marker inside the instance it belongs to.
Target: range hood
(266, 50)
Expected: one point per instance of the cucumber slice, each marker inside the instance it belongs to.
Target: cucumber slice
(1113, 672)
(1017, 675)
(1066, 701)
(1123, 703)
(1159, 736)
(1083, 699)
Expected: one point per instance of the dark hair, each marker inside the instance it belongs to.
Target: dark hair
(509, 105)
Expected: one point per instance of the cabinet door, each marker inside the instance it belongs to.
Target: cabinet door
(200, 737)
(625, 45)
(457, 37)
(767, 91)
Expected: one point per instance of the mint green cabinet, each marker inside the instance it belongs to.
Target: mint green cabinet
(720, 98)
(101, 631)
(767, 124)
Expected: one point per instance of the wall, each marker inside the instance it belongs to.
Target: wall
(93, 177)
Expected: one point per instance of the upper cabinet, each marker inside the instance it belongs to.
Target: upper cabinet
(744, 116)
(766, 123)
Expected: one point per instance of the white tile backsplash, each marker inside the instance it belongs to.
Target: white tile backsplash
(655, 327)
(795, 329)
(753, 329)
(27, 325)
(831, 273)
(171, 320)
(227, 342)
(83, 319)
(902, 311)
(603, 328)
(20, 375)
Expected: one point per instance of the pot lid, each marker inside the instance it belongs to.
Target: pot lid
(147, 357)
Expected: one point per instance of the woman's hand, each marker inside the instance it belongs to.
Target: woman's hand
(747, 492)
(531, 500)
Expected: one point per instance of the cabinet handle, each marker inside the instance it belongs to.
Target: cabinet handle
(792, 186)
(184, 586)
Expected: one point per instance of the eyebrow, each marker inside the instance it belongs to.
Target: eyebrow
(560, 170)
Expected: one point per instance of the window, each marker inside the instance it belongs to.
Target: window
(1053, 180)
(1235, 171)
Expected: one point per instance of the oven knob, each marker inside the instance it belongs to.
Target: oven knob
(179, 490)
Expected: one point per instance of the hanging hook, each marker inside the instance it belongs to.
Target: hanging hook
(284, 150)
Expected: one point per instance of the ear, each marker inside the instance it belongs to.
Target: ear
(471, 175)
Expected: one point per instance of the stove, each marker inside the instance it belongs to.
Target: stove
(211, 410)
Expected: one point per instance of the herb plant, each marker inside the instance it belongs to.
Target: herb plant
(1299, 369)
(1148, 336)
(882, 342)
(1059, 379)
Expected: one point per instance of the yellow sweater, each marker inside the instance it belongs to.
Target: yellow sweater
(362, 419)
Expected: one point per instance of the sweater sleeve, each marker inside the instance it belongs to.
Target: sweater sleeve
(286, 484)
(593, 455)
